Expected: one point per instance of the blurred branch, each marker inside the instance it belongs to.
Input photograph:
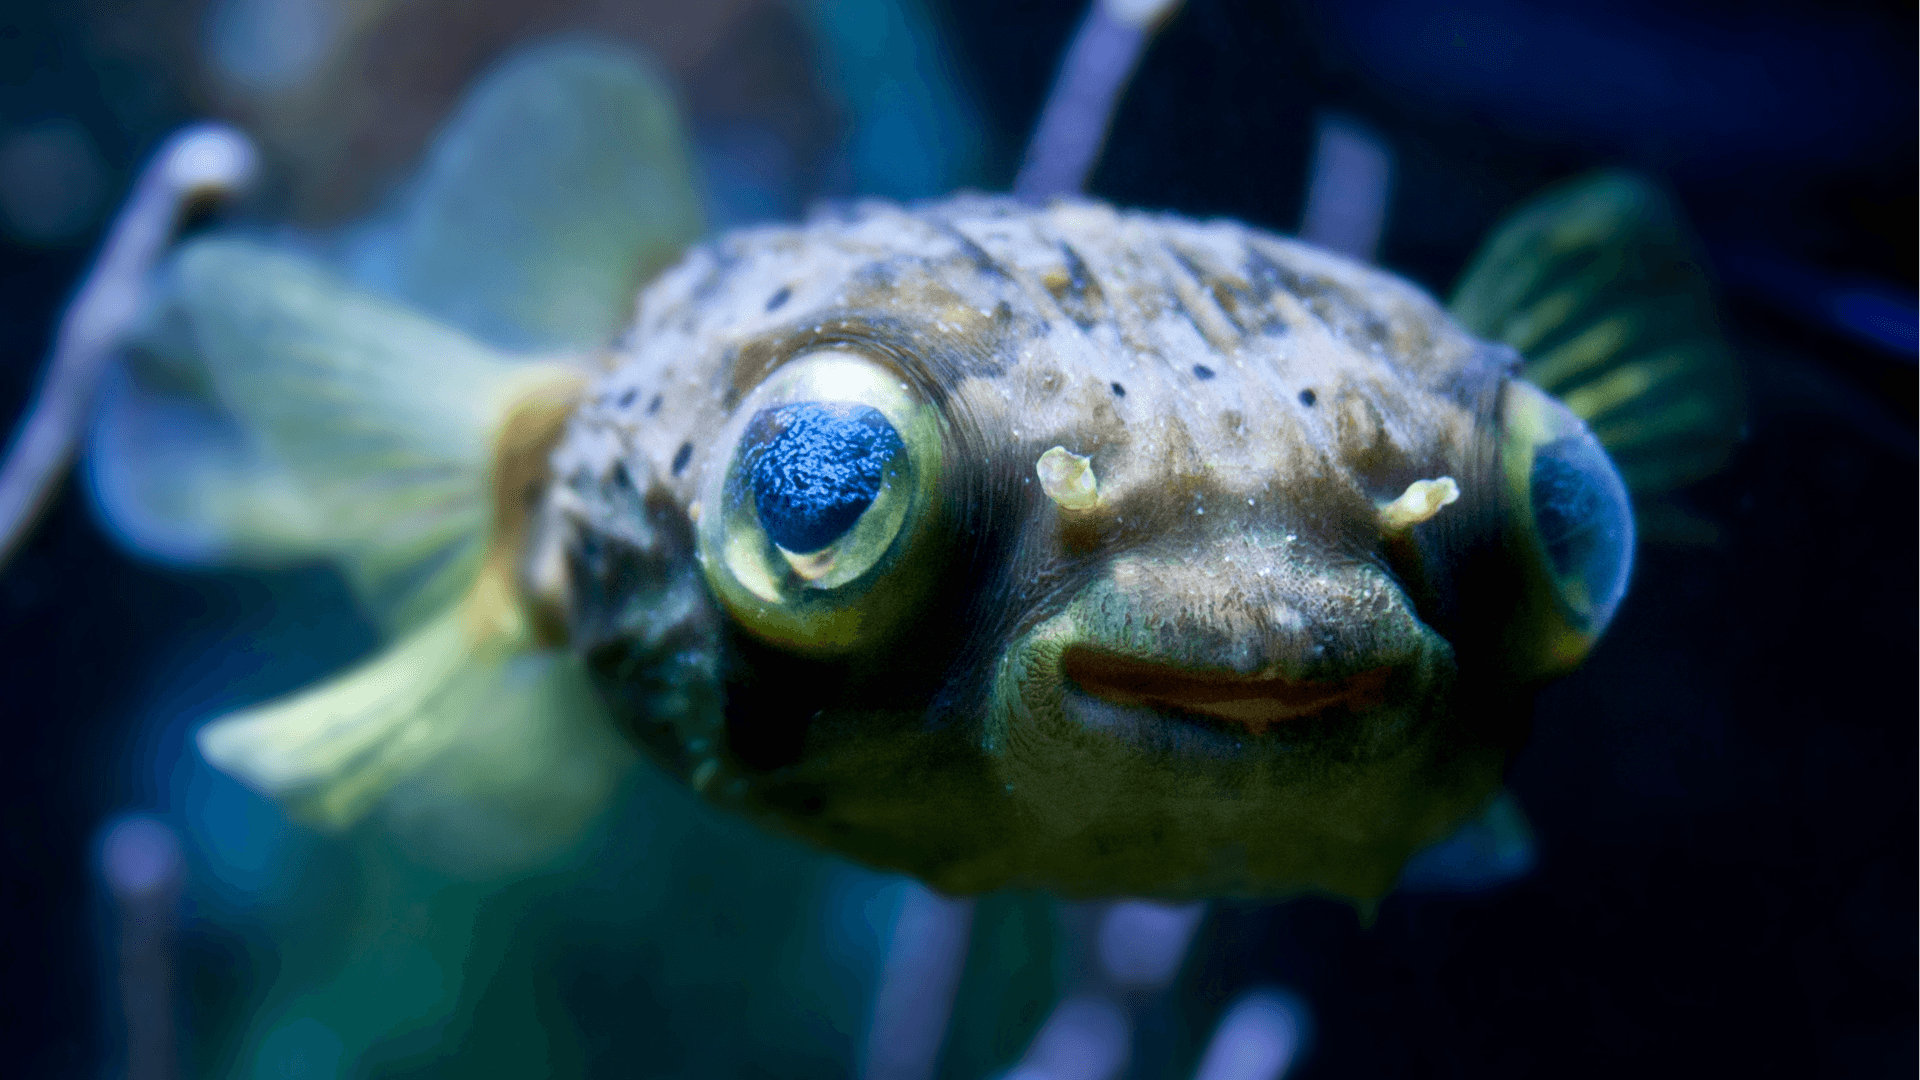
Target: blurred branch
(198, 163)
(141, 862)
(915, 997)
(1261, 1036)
(1348, 189)
(1073, 123)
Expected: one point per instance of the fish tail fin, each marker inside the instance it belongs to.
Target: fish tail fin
(272, 413)
(329, 751)
(414, 458)
(329, 425)
(275, 415)
(500, 744)
(1599, 284)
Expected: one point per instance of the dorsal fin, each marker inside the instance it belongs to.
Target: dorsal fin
(560, 186)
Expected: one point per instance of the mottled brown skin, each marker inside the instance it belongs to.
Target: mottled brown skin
(1225, 678)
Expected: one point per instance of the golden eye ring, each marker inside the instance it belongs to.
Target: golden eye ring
(1573, 522)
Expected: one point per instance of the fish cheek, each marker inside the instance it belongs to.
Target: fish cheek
(772, 698)
(613, 562)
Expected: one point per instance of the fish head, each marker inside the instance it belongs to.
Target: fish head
(1107, 553)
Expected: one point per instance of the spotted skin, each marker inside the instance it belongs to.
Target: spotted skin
(1332, 695)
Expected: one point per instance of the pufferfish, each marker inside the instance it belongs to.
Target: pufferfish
(1104, 552)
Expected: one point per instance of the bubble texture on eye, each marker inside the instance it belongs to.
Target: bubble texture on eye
(1584, 519)
(815, 467)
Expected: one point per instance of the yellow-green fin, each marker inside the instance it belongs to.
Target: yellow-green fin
(1598, 284)
(281, 415)
(463, 703)
(464, 726)
(332, 749)
(272, 412)
(564, 181)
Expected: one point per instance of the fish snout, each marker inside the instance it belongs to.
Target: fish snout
(1216, 719)
(1201, 656)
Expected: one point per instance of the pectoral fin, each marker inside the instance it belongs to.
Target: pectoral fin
(1493, 848)
(1599, 285)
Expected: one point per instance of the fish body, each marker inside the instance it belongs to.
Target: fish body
(1225, 675)
(1061, 546)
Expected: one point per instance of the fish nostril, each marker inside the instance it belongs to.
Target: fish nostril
(1254, 702)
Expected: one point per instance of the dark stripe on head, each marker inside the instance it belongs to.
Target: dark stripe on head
(976, 254)
(1076, 290)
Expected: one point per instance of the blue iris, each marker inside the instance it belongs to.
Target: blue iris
(815, 467)
(1584, 520)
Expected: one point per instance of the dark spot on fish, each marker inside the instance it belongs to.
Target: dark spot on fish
(730, 398)
(621, 478)
(626, 399)
(654, 405)
(681, 457)
(1002, 313)
(1307, 398)
(781, 297)
(1119, 391)
(1202, 372)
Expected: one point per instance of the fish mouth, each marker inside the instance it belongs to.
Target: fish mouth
(1252, 703)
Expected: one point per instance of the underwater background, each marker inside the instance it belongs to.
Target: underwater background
(1723, 800)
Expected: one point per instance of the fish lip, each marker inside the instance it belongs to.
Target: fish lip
(1177, 734)
(1248, 704)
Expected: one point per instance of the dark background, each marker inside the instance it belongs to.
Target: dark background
(1724, 797)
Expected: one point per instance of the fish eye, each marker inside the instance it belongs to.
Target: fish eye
(1574, 521)
(814, 524)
